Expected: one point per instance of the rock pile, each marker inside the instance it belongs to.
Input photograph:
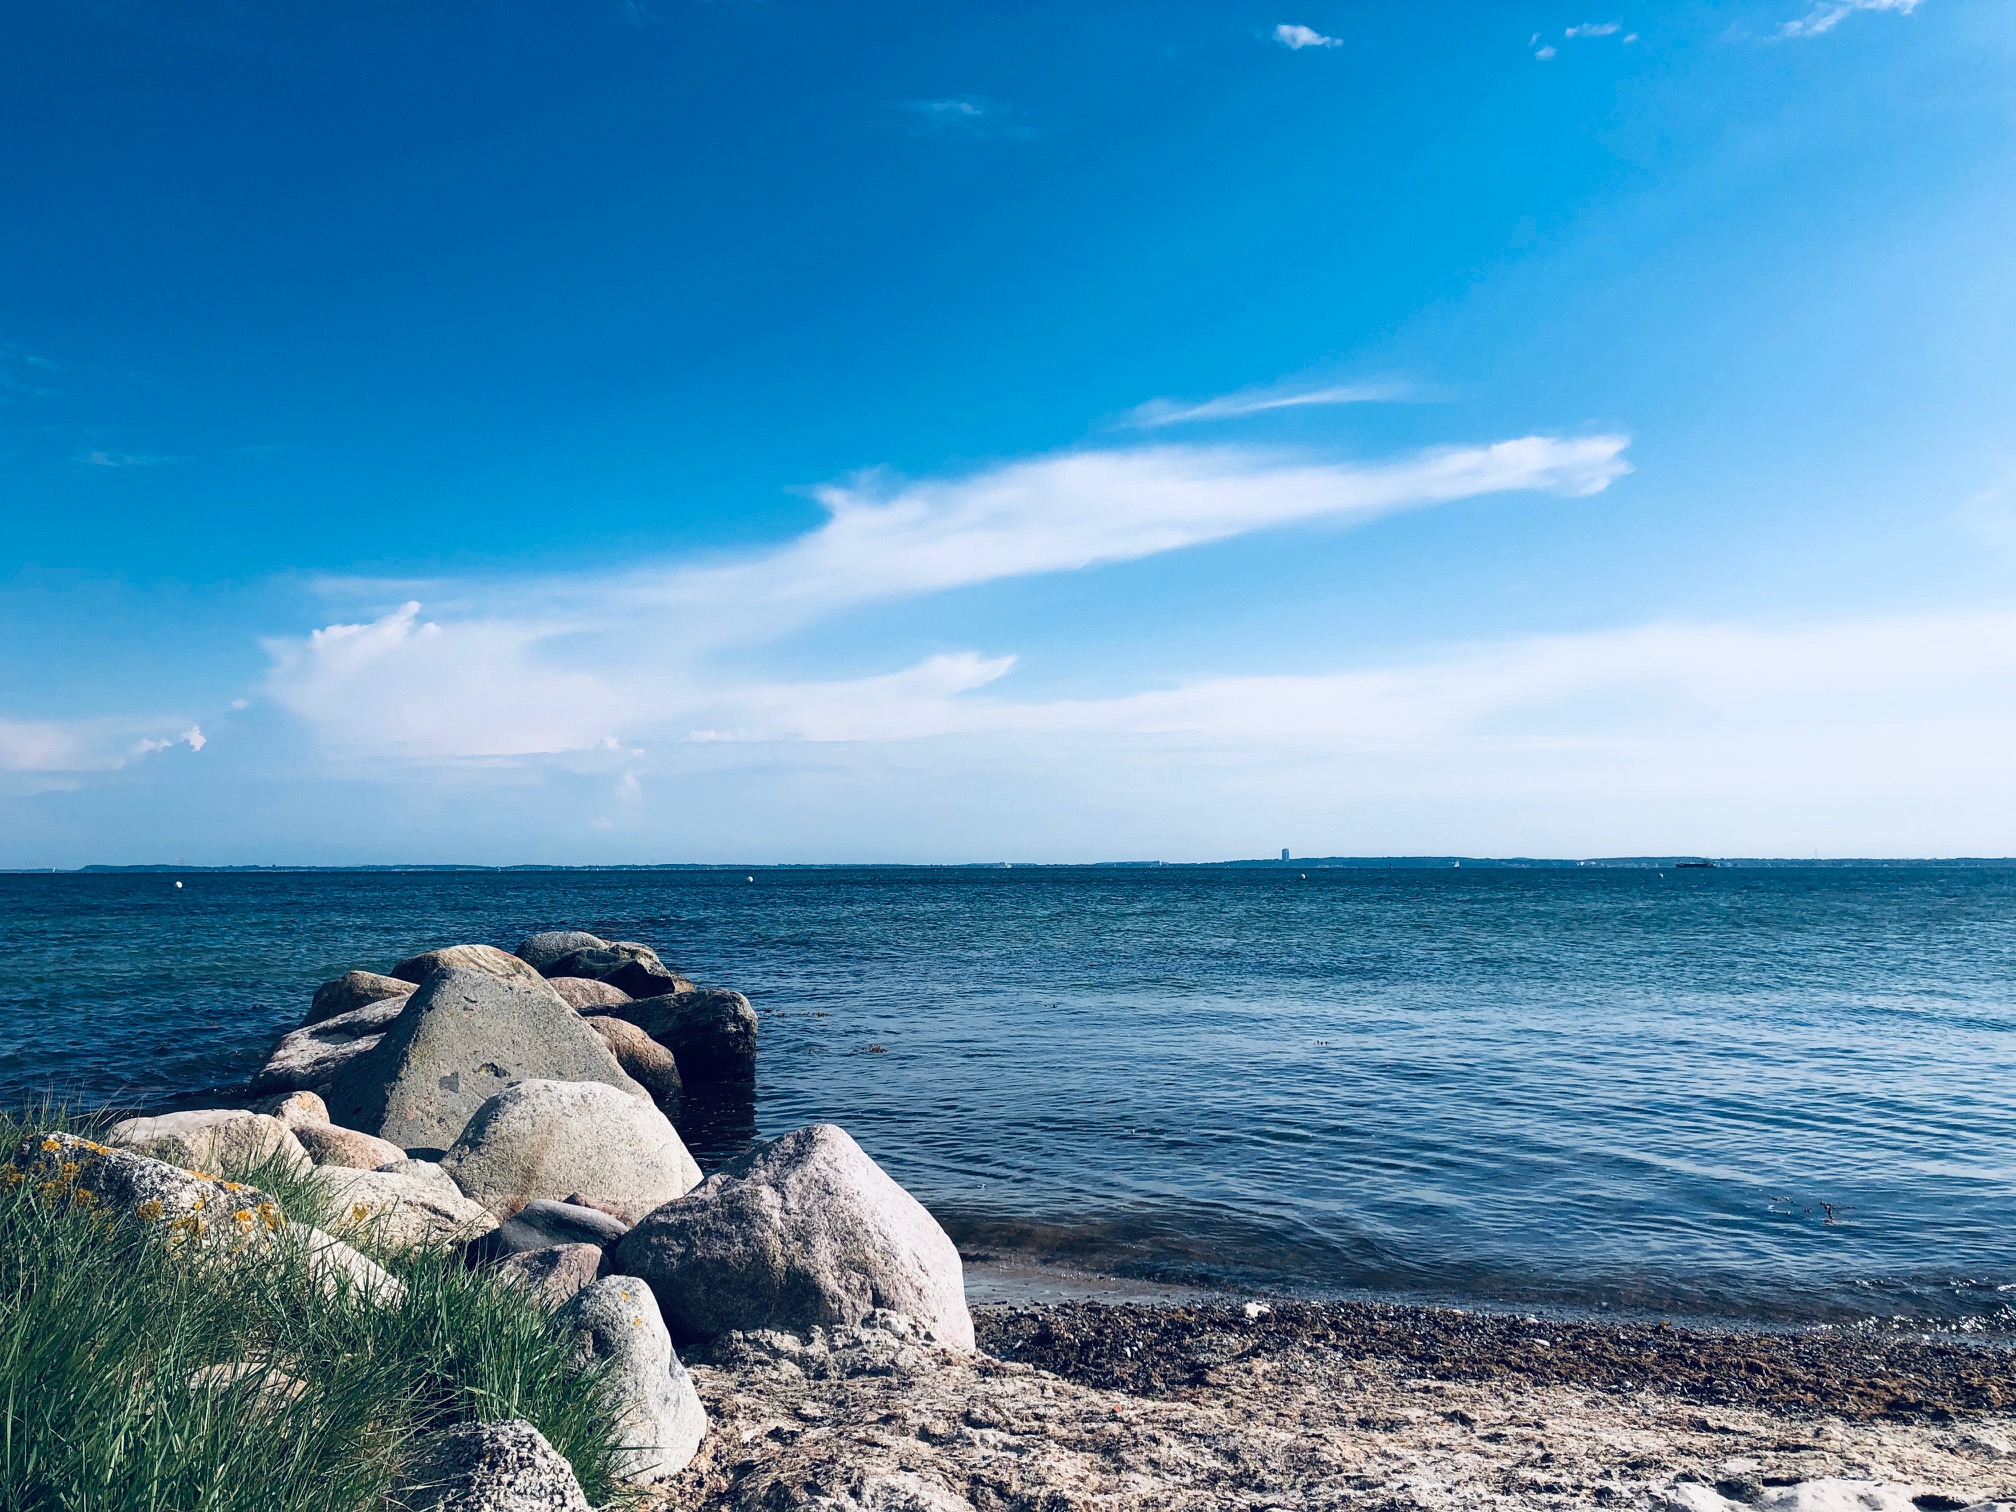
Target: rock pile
(520, 1107)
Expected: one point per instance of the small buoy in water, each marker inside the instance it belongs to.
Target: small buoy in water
(1305, 876)
(178, 884)
(752, 879)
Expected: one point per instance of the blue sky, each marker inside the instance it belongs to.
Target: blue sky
(756, 431)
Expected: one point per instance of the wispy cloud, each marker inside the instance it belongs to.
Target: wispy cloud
(127, 459)
(89, 745)
(1158, 412)
(967, 116)
(1594, 29)
(581, 664)
(1828, 14)
(1295, 37)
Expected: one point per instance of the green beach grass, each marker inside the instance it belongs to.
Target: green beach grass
(111, 1399)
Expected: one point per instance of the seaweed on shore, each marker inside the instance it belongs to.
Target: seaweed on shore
(1171, 1350)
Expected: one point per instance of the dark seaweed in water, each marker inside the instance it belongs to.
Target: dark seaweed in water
(1156, 1350)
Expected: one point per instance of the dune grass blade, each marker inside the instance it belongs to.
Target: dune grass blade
(133, 1379)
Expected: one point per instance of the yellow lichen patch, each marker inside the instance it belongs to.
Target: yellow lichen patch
(360, 1211)
(149, 1210)
(244, 1216)
(234, 1186)
(51, 1143)
(12, 1177)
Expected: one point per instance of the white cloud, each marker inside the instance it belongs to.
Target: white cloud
(1546, 52)
(569, 665)
(88, 745)
(399, 686)
(966, 116)
(1158, 412)
(126, 459)
(1296, 37)
(1828, 14)
(1593, 29)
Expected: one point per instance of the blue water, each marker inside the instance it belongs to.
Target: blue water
(1764, 1094)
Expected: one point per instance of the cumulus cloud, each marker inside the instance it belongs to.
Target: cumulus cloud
(1828, 14)
(578, 664)
(1296, 37)
(1158, 412)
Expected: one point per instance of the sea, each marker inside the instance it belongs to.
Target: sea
(1755, 1095)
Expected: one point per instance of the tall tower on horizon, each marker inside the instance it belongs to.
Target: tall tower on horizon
(1284, 853)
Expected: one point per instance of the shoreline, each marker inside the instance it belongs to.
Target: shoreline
(1198, 1407)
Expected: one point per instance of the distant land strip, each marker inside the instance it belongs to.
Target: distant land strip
(1298, 863)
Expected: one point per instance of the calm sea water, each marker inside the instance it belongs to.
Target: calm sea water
(1763, 1094)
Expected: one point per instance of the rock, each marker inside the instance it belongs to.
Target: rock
(805, 1230)
(545, 1223)
(338, 1271)
(428, 1172)
(401, 1210)
(710, 1031)
(616, 1324)
(354, 990)
(329, 1145)
(462, 1038)
(488, 1467)
(540, 951)
(622, 1215)
(552, 1274)
(625, 965)
(211, 1140)
(182, 1205)
(416, 969)
(310, 1058)
(544, 1138)
(581, 993)
(647, 1062)
(294, 1108)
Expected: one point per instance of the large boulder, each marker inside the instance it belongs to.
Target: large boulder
(487, 1467)
(211, 1140)
(330, 1144)
(583, 994)
(351, 991)
(540, 951)
(542, 1223)
(642, 1058)
(544, 1138)
(339, 1272)
(416, 969)
(309, 1058)
(801, 1232)
(294, 1108)
(401, 1210)
(660, 1422)
(462, 1038)
(182, 1206)
(710, 1031)
(624, 965)
(551, 1274)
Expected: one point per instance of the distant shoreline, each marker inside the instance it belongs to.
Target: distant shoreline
(1309, 863)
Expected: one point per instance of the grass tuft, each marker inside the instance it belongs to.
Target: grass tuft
(136, 1380)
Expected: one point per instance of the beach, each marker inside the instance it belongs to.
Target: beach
(1155, 1406)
